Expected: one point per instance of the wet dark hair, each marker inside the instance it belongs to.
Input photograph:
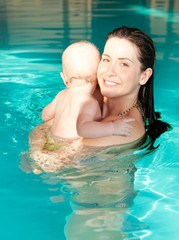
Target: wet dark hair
(147, 56)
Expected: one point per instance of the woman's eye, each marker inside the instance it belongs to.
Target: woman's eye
(105, 59)
(124, 64)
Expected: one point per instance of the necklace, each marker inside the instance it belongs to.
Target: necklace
(123, 113)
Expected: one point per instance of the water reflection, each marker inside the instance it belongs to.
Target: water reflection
(99, 185)
(99, 199)
(44, 24)
(50, 26)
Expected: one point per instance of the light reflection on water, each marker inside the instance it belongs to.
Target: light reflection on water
(101, 190)
(33, 36)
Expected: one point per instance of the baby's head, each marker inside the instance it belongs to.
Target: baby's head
(80, 61)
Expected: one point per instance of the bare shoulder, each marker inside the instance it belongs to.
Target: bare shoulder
(138, 129)
(62, 93)
(137, 132)
(62, 96)
(138, 125)
(90, 106)
(89, 101)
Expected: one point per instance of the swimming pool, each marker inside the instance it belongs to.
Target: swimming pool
(33, 36)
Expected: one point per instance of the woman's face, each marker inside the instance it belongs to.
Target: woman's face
(119, 72)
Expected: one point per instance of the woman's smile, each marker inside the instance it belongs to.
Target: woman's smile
(109, 83)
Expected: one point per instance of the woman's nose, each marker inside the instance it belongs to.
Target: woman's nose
(111, 70)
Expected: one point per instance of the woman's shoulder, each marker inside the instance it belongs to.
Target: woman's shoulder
(138, 129)
(137, 132)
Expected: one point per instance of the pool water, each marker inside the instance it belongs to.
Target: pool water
(99, 200)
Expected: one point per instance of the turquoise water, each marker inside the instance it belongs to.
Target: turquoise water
(33, 35)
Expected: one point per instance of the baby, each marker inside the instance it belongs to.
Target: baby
(75, 110)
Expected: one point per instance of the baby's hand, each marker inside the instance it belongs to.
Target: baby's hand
(122, 126)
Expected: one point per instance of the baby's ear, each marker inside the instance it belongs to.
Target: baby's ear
(64, 77)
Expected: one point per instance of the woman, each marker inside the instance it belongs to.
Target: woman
(125, 76)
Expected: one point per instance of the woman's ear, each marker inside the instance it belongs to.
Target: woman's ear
(146, 75)
(64, 77)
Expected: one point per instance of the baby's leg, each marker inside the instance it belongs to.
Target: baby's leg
(37, 137)
(46, 157)
(36, 142)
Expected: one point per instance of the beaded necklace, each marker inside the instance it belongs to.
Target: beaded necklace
(138, 104)
(126, 111)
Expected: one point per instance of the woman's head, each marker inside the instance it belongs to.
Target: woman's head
(119, 72)
(146, 56)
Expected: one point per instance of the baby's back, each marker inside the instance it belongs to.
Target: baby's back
(68, 103)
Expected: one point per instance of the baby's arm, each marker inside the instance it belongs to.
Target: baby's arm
(49, 111)
(88, 125)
